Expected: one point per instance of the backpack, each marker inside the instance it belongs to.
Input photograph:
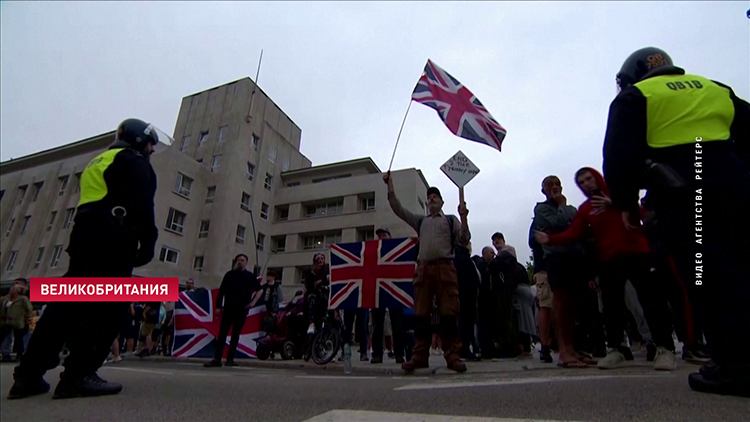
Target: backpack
(450, 225)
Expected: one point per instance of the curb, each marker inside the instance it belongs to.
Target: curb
(339, 367)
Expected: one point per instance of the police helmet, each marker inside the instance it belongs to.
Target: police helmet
(640, 64)
(136, 133)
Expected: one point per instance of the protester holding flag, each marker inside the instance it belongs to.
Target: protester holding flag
(436, 276)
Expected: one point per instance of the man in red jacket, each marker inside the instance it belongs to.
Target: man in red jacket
(623, 255)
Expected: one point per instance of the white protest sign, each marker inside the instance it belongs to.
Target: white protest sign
(460, 169)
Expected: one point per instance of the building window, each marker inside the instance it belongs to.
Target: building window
(245, 204)
(364, 235)
(37, 189)
(269, 181)
(282, 213)
(210, 194)
(176, 220)
(261, 241)
(285, 165)
(11, 261)
(222, 134)
(39, 256)
(183, 185)
(63, 185)
(21, 193)
(70, 214)
(293, 184)
(320, 241)
(239, 237)
(25, 224)
(204, 138)
(168, 254)
(255, 142)
(278, 244)
(272, 154)
(184, 143)
(203, 231)
(51, 220)
(264, 211)
(250, 171)
(215, 163)
(77, 187)
(326, 179)
(55, 260)
(198, 263)
(367, 203)
(330, 208)
(10, 227)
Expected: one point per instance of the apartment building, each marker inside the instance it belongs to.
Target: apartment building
(234, 181)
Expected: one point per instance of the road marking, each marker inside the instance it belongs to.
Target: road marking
(432, 386)
(335, 377)
(138, 370)
(206, 374)
(409, 377)
(369, 416)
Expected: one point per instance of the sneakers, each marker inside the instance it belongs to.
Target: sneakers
(91, 386)
(694, 354)
(24, 387)
(544, 355)
(411, 365)
(311, 329)
(721, 379)
(625, 350)
(144, 353)
(665, 360)
(213, 364)
(614, 359)
(115, 359)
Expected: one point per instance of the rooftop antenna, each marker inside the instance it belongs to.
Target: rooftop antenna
(255, 86)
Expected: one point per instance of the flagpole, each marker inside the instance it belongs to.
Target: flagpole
(399, 136)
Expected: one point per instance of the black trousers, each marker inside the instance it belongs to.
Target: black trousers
(360, 330)
(488, 321)
(651, 293)
(234, 319)
(88, 329)
(589, 333)
(378, 328)
(712, 210)
(467, 318)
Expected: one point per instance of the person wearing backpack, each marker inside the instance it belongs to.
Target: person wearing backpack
(436, 276)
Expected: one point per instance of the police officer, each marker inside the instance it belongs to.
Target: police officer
(686, 139)
(114, 232)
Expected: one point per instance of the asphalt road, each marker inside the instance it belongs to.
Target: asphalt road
(190, 392)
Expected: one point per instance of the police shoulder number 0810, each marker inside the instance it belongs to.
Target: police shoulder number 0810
(675, 86)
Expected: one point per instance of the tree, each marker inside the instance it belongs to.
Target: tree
(530, 269)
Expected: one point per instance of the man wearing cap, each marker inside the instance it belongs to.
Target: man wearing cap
(378, 323)
(436, 276)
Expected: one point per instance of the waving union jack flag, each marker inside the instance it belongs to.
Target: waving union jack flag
(459, 109)
(196, 329)
(373, 274)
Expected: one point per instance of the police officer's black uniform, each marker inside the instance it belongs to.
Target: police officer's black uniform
(695, 133)
(114, 232)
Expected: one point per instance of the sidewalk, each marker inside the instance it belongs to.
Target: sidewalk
(388, 367)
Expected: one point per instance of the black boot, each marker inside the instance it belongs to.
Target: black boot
(90, 386)
(27, 386)
(213, 364)
(714, 378)
(544, 355)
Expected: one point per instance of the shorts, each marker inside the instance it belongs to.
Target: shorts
(567, 271)
(543, 290)
(147, 329)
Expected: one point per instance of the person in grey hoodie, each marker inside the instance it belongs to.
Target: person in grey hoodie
(565, 265)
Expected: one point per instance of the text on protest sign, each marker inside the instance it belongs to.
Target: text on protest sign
(460, 169)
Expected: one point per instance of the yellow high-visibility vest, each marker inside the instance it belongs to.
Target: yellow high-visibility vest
(681, 108)
(93, 185)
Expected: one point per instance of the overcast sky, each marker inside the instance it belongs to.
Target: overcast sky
(344, 73)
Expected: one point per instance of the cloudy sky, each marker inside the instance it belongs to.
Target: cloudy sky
(344, 73)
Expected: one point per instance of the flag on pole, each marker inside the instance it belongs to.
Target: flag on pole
(460, 110)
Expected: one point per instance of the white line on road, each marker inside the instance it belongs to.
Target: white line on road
(335, 377)
(433, 386)
(137, 370)
(369, 416)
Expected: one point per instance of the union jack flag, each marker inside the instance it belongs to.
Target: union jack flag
(460, 110)
(196, 329)
(373, 274)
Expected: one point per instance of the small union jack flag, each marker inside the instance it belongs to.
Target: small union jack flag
(373, 274)
(460, 110)
(196, 329)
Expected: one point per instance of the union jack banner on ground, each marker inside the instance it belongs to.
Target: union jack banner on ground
(373, 274)
(460, 110)
(196, 329)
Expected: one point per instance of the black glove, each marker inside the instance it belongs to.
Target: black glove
(144, 256)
